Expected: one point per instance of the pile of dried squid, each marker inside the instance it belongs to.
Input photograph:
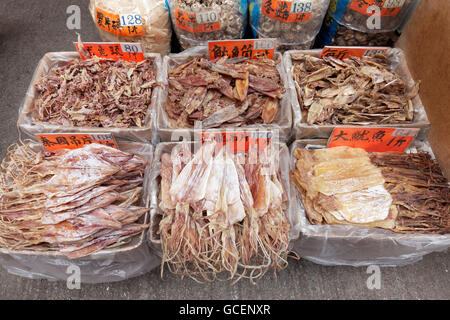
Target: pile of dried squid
(222, 212)
(224, 92)
(75, 202)
(401, 192)
(354, 91)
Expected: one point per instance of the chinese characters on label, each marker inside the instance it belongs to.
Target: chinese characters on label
(115, 51)
(288, 11)
(342, 53)
(197, 22)
(372, 139)
(121, 25)
(242, 48)
(387, 7)
(55, 141)
(239, 141)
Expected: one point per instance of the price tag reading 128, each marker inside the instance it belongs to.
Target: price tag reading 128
(251, 48)
(131, 51)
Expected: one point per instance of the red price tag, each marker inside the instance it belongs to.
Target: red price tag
(387, 7)
(119, 24)
(251, 48)
(239, 141)
(206, 21)
(56, 141)
(373, 139)
(128, 51)
(342, 53)
(288, 11)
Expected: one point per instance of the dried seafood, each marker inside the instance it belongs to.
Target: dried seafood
(72, 201)
(222, 212)
(354, 91)
(348, 37)
(224, 92)
(396, 191)
(96, 93)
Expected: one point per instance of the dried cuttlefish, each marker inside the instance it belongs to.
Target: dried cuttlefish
(76, 202)
(396, 191)
(222, 212)
(96, 93)
(224, 92)
(354, 91)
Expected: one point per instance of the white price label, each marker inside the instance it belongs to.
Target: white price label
(264, 44)
(130, 20)
(393, 4)
(131, 47)
(406, 132)
(207, 17)
(301, 6)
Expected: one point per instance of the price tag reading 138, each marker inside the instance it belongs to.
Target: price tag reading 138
(288, 11)
(251, 48)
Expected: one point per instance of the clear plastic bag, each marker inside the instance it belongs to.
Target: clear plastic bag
(292, 31)
(282, 121)
(359, 246)
(347, 23)
(29, 126)
(195, 22)
(302, 130)
(156, 34)
(107, 265)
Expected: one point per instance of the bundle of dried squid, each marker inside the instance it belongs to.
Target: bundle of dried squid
(396, 191)
(354, 91)
(222, 212)
(96, 93)
(76, 201)
(224, 92)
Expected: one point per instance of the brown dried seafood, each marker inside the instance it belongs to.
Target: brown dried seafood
(96, 93)
(354, 91)
(76, 201)
(396, 191)
(224, 92)
(222, 212)
(348, 37)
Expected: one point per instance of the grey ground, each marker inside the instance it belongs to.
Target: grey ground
(30, 28)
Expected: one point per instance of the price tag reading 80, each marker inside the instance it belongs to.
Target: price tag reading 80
(301, 6)
(131, 47)
(266, 44)
(393, 3)
(127, 20)
(206, 17)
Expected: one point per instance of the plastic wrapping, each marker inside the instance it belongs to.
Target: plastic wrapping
(293, 206)
(108, 265)
(360, 246)
(157, 31)
(346, 23)
(302, 130)
(28, 125)
(195, 22)
(282, 121)
(268, 20)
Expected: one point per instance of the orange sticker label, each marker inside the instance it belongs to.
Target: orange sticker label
(119, 24)
(387, 7)
(239, 141)
(56, 141)
(373, 139)
(288, 11)
(108, 50)
(206, 21)
(347, 52)
(251, 48)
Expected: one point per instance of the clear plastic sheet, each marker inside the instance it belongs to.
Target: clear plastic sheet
(282, 121)
(360, 246)
(156, 23)
(290, 35)
(29, 126)
(292, 211)
(302, 130)
(108, 265)
(229, 16)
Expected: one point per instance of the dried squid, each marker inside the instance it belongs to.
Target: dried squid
(222, 213)
(72, 201)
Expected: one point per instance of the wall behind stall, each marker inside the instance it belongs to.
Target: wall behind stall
(426, 42)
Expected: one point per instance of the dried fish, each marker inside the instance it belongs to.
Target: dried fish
(220, 93)
(354, 91)
(71, 201)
